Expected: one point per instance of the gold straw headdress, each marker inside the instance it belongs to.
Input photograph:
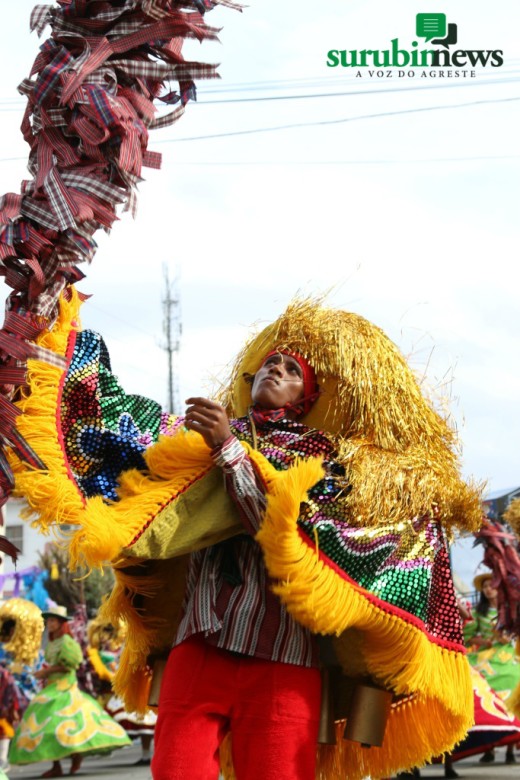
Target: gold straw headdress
(512, 515)
(101, 631)
(25, 641)
(398, 451)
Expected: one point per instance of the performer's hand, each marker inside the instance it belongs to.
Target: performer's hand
(209, 419)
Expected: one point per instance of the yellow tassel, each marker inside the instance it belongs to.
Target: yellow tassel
(97, 664)
(147, 597)
(51, 495)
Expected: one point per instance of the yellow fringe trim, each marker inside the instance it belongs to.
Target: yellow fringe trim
(396, 653)
(417, 731)
(97, 664)
(148, 598)
(173, 464)
(52, 497)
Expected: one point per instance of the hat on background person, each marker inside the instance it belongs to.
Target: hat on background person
(478, 582)
(58, 612)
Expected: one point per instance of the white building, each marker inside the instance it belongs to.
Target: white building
(28, 540)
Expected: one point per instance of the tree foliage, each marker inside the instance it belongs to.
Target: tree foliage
(71, 588)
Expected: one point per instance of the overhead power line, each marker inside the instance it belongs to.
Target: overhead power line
(507, 77)
(343, 120)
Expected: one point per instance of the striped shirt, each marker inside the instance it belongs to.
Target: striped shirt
(228, 597)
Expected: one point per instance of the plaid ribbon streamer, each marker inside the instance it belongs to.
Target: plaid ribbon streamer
(90, 104)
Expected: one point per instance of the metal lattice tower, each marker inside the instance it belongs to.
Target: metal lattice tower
(172, 329)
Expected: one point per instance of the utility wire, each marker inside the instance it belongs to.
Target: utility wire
(12, 103)
(344, 120)
(320, 123)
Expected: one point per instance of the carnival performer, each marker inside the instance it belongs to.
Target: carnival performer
(340, 484)
(492, 653)
(62, 721)
(21, 629)
(104, 648)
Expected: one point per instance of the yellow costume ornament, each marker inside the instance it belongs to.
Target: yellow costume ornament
(21, 629)
(360, 556)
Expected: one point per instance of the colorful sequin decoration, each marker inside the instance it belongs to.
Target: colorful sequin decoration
(406, 565)
(104, 430)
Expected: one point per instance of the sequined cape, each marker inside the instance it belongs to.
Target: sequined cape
(384, 593)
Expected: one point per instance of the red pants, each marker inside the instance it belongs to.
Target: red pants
(271, 709)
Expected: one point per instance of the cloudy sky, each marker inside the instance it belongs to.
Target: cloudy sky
(288, 176)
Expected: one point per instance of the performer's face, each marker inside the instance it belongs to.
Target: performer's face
(52, 624)
(279, 381)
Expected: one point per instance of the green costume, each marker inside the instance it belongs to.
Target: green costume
(498, 664)
(61, 719)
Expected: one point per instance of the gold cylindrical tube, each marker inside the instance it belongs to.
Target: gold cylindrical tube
(155, 686)
(368, 714)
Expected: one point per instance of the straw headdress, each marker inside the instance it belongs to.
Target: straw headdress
(399, 452)
(101, 631)
(512, 515)
(24, 643)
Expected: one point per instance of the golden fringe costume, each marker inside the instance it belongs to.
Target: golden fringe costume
(373, 572)
(104, 645)
(512, 515)
(105, 642)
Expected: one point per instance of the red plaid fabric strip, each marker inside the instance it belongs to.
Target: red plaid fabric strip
(48, 356)
(38, 212)
(50, 75)
(17, 348)
(167, 119)
(25, 325)
(37, 281)
(60, 201)
(24, 451)
(8, 411)
(10, 206)
(12, 376)
(7, 484)
(66, 155)
(41, 16)
(103, 189)
(152, 159)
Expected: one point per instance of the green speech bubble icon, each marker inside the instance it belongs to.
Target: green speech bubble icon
(430, 26)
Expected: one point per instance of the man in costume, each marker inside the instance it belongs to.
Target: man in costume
(220, 675)
(354, 487)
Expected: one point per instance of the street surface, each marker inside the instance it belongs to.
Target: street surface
(471, 769)
(122, 764)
